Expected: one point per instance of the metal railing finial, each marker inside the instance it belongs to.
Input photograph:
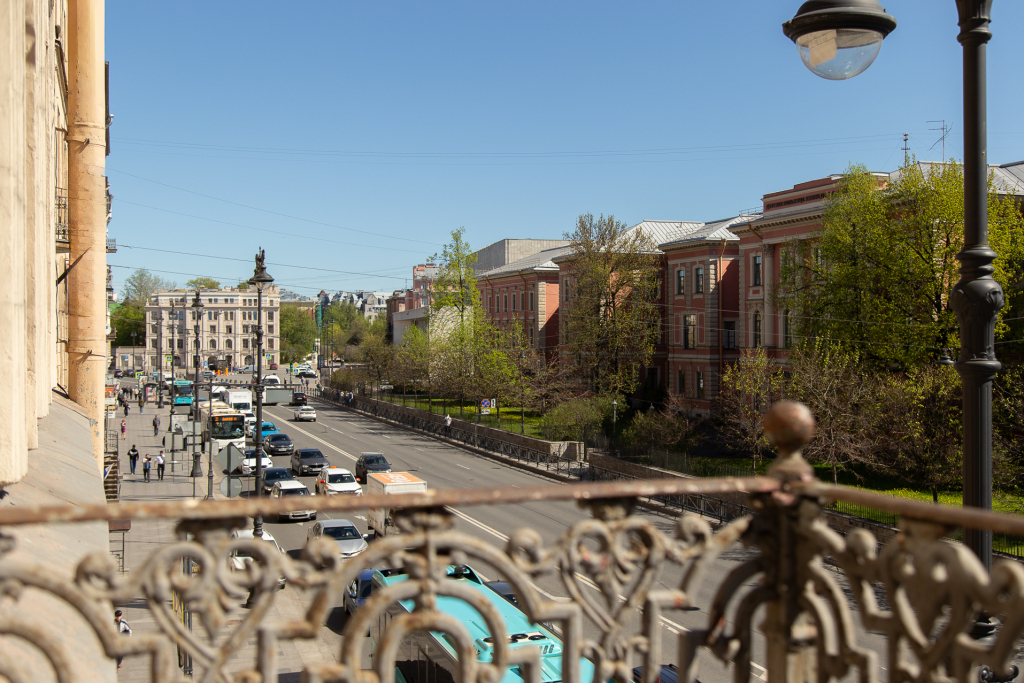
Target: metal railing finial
(789, 426)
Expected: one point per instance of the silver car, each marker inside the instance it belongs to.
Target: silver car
(341, 531)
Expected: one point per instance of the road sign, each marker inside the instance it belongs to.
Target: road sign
(230, 487)
(168, 358)
(270, 356)
(485, 406)
(230, 457)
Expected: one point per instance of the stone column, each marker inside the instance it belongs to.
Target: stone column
(87, 210)
(13, 443)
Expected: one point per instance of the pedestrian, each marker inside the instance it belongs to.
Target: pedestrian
(447, 424)
(156, 425)
(142, 401)
(123, 628)
(133, 457)
(126, 410)
(147, 465)
(124, 429)
(160, 460)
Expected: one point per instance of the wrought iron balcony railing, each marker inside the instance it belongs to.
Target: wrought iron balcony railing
(820, 593)
(60, 217)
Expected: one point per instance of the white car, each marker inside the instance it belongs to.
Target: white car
(250, 422)
(240, 558)
(271, 379)
(288, 488)
(248, 466)
(337, 480)
(305, 413)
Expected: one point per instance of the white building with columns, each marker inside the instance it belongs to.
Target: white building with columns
(227, 335)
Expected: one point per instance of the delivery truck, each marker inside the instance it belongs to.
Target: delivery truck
(379, 519)
(272, 395)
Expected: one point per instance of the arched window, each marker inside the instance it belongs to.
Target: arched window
(757, 329)
(213, 344)
(227, 344)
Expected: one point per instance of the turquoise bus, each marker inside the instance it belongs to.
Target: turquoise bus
(182, 392)
(430, 657)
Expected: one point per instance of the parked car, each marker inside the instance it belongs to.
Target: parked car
(341, 531)
(305, 413)
(240, 558)
(273, 366)
(248, 466)
(298, 398)
(371, 462)
(207, 374)
(118, 373)
(337, 480)
(278, 444)
(272, 475)
(287, 488)
(308, 461)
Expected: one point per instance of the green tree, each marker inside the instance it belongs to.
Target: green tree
(611, 321)
(202, 283)
(127, 319)
(140, 285)
(747, 390)
(298, 333)
(876, 279)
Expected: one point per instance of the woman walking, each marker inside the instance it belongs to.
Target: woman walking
(147, 465)
(124, 429)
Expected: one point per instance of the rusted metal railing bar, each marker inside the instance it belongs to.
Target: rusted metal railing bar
(972, 518)
(199, 509)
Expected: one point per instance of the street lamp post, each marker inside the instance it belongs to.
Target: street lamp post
(818, 30)
(260, 279)
(197, 468)
(160, 353)
(174, 329)
(522, 396)
(615, 408)
(134, 335)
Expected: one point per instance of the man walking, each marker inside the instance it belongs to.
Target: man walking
(147, 466)
(142, 402)
(156, 425)
(447, 425)
(133, 458)
(123, 628)
(160, 460)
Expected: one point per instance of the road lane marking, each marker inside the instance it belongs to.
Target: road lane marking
(462, 466)
(331, 446)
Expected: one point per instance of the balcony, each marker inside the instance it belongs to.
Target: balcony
(60, 209)
(111, 245)
(810, 603)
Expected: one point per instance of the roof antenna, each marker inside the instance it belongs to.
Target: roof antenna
(906, 149)
(942, 138)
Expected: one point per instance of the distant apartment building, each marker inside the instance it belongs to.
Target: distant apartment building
(227, 335)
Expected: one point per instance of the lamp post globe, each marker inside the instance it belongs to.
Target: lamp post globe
(838, 39)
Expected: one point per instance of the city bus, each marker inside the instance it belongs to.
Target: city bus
(431, 657)
(182, 392)
(222, 425)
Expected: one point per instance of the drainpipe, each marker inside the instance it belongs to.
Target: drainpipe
(87, 212)
(721, 323)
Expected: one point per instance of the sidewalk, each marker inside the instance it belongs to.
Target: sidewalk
(146, 537)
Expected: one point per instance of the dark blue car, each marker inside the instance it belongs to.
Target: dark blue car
(358, 591)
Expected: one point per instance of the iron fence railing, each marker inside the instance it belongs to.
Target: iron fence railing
(60, 217)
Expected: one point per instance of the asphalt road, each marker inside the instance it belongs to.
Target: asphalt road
(341, 436)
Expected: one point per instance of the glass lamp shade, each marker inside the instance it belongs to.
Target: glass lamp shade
(838, 54)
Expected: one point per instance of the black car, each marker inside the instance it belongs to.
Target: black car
(272, 475)
(308, 461)
(278, 444)
(298, 399)
(668, 674)
(371, 462)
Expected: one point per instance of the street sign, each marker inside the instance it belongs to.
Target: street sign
(168, 358)
(270, 356)
(231, 457)
(230, 487)
(485, 406)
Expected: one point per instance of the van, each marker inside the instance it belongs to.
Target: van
(271, 379)
(286, 488)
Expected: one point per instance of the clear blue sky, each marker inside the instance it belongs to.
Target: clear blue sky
(350, 138)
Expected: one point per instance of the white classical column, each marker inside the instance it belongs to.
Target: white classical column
(87, 211)
(13, 442)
